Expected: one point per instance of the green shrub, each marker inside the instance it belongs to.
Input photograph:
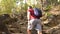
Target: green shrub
(48, 14)
(48, 7)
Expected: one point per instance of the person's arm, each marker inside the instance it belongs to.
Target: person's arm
(28, 15)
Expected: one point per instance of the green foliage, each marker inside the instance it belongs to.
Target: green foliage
(48, 7)
(7, 5)
(48, 14)
(25, 7)
(53, 2)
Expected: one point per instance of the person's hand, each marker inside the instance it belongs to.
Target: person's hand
(28, 19)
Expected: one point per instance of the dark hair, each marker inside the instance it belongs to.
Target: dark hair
(30, 6)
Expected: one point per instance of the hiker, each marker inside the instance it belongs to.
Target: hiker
(33, 21)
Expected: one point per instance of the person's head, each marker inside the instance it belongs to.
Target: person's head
(29, 7)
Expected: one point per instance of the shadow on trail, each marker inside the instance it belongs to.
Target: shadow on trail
(4, 20)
